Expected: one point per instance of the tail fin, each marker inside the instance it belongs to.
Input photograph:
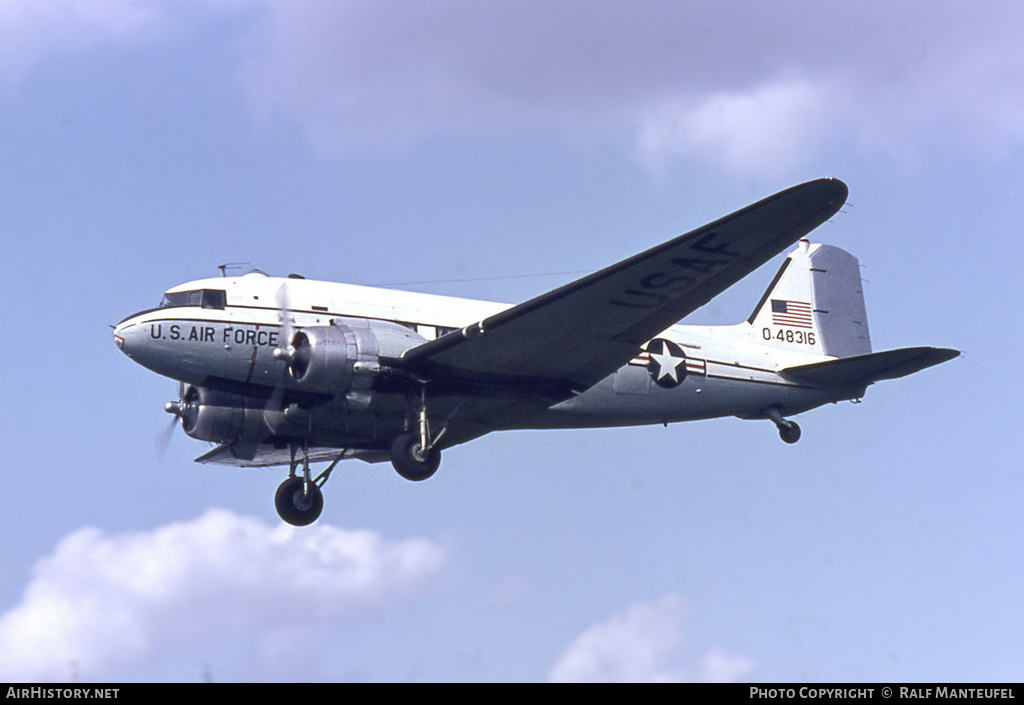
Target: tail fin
(815, 304)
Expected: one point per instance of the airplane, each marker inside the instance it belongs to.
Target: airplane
(290, 371)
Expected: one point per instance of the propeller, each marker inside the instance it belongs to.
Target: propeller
(286, 350)
(178, 409)
(163, 439)
(294, 350)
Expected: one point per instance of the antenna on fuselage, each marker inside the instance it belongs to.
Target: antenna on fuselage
(230, 265)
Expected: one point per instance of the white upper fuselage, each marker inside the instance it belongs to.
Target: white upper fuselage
(233, 336)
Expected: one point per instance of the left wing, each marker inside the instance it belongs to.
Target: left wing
(570, 338)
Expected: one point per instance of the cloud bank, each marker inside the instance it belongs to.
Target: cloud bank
(32, 31)
(641, 644)
(748, 86)
(103, 602)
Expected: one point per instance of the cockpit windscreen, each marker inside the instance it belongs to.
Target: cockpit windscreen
(202, 298)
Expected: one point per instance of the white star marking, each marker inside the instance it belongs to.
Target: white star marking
(667, 364)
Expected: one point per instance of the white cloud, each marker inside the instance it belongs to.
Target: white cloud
(773, 126)
(746, 86)
(32, 30)
(103, 602)
(641, 644)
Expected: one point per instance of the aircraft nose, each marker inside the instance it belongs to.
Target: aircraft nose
(122, 337)
(118, 337)
(127, 336)
(151, 341)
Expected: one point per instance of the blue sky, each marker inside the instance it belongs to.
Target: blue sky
(144, 142)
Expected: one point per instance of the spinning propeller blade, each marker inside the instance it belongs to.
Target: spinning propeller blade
(163, 439)
(285, 351)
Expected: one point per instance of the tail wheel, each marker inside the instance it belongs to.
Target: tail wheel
(411, 461)
(789, 432)
(299, 503)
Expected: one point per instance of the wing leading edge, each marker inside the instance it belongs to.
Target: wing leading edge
(570, 338)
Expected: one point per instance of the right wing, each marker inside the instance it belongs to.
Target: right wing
(267, 456)
(570, 338)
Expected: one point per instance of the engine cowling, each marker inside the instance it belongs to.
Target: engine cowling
(345, 357)
(221, 417)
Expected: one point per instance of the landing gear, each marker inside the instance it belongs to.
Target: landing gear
(299, 500)
(789, 431)
(415, 454)
(297, 503)
(410, 459)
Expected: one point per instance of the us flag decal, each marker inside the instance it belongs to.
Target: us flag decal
(792, 313)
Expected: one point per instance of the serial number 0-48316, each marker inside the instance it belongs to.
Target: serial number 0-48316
(785, 335)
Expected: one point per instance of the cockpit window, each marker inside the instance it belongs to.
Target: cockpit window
(174, 298)
(214, 298)
(205, 298)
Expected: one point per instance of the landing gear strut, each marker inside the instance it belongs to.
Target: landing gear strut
(299, 500)
(789, 431)
(415, 454)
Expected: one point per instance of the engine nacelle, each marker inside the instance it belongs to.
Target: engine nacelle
(221, 417)
(345, 357)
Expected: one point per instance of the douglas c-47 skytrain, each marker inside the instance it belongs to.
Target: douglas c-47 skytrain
(293, 372)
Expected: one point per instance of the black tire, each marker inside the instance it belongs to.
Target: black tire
(789, 432)
(295, 506)
(410, 462)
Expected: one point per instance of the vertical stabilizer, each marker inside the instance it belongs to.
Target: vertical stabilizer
(815, 304)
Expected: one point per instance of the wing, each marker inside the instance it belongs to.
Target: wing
(267, 456)
(570, 338)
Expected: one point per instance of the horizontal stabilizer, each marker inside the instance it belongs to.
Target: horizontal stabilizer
(867, 369)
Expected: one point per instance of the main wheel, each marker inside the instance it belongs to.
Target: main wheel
(295, 505)
(789, 432)
(409, 459)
